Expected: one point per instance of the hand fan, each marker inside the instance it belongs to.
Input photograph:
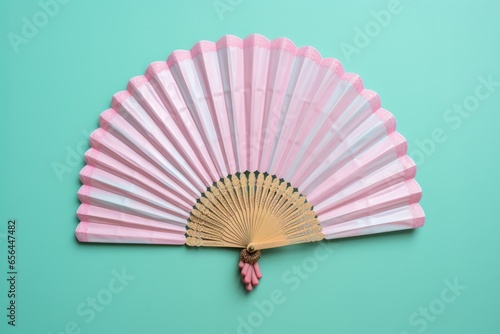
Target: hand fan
(250, 144)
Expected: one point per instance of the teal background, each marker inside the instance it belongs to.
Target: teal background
(425, 60)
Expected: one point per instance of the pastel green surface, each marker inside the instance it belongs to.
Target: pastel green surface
(422, 60)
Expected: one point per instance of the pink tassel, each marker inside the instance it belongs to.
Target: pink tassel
(255, 280)
(250, 272)
(257, 270)
(248, 276)
(245, 269)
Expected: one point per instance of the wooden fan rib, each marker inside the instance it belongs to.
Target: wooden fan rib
(199, 218)
(237, 190)
(208, 234)
(246, 203)
(259, 210)
(229, 197)
(208, 243)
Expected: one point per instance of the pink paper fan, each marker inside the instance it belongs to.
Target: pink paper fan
(251, 144)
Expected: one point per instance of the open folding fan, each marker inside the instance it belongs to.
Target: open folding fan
(250, 144)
